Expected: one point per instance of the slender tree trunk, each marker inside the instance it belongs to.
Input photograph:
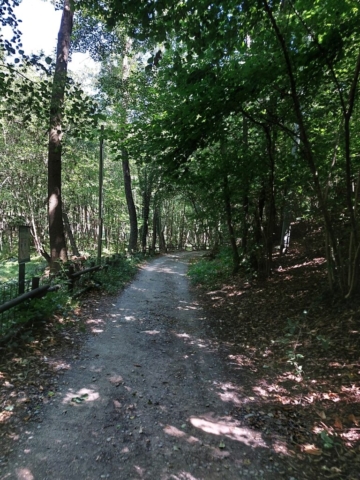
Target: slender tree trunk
(162, 244)
(154, 232)
(130, 202)
(69, 232)
(181, 229)
(146, 213)
(58, 250)
(271, 209)
(306, 145)
(37, 240)
(236, 258)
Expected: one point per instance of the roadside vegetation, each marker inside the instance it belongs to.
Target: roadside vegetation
(300, 343)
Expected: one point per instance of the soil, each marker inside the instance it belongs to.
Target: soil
(244, 381)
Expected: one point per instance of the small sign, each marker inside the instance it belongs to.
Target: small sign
(24, 244)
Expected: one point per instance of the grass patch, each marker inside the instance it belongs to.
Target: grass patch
(9, 269)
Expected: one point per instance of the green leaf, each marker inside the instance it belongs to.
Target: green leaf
(77, 399)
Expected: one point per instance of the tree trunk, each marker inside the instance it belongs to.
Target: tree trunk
(236, 258)
(162, 243)
(130, 202)
(58, 250)
(146, 212)
(69, 232)
(306, 146)
(37, 241)
(154, 232)
(271, 209)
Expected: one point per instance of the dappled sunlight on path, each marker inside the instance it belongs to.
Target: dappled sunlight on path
(149, 397)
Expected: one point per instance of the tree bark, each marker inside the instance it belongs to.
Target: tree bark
(70, 235)
(227, 201)
(58, 251)
(154, 232)
(162, 244)
(130, 202)
(146, 195)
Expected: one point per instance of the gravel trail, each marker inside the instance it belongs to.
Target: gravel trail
(149, 397)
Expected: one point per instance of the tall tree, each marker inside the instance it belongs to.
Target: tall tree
(130, 202)
(58, 250)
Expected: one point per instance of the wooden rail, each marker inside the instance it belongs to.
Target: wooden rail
(35, 293)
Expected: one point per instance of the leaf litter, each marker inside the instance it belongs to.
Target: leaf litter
(301, 346)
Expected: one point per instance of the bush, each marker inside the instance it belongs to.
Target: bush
(117, 276)
(212, 272)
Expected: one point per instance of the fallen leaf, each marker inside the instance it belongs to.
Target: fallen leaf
(353, 419)
(51, 394)
(311, 449)
(335, 469)
(221, 445)
(337, 423)
(77, 400)
(322, 415)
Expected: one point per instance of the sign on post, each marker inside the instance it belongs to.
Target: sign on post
(24, 244)
(24, 255)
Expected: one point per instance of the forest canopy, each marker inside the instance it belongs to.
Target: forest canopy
(223, 123)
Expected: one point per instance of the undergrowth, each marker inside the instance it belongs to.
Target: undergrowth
(115, 278)
(211, 272)
(9, 268)
(61, 302)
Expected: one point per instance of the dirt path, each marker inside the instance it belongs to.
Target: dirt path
(149, 398)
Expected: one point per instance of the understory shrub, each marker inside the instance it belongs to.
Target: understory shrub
(209, 271)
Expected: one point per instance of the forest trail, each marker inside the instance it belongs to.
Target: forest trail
(148, 398)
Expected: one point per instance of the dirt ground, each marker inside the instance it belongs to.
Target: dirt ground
(148, 396)
(253, 379)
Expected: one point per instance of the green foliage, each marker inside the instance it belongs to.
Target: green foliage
(117, 276)
(58, 302)
(325, 342)
(210, 273)
(293, 360)
(327, 441)
(61, 302)
(10, 268)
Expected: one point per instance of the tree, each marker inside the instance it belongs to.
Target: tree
(58, 250)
